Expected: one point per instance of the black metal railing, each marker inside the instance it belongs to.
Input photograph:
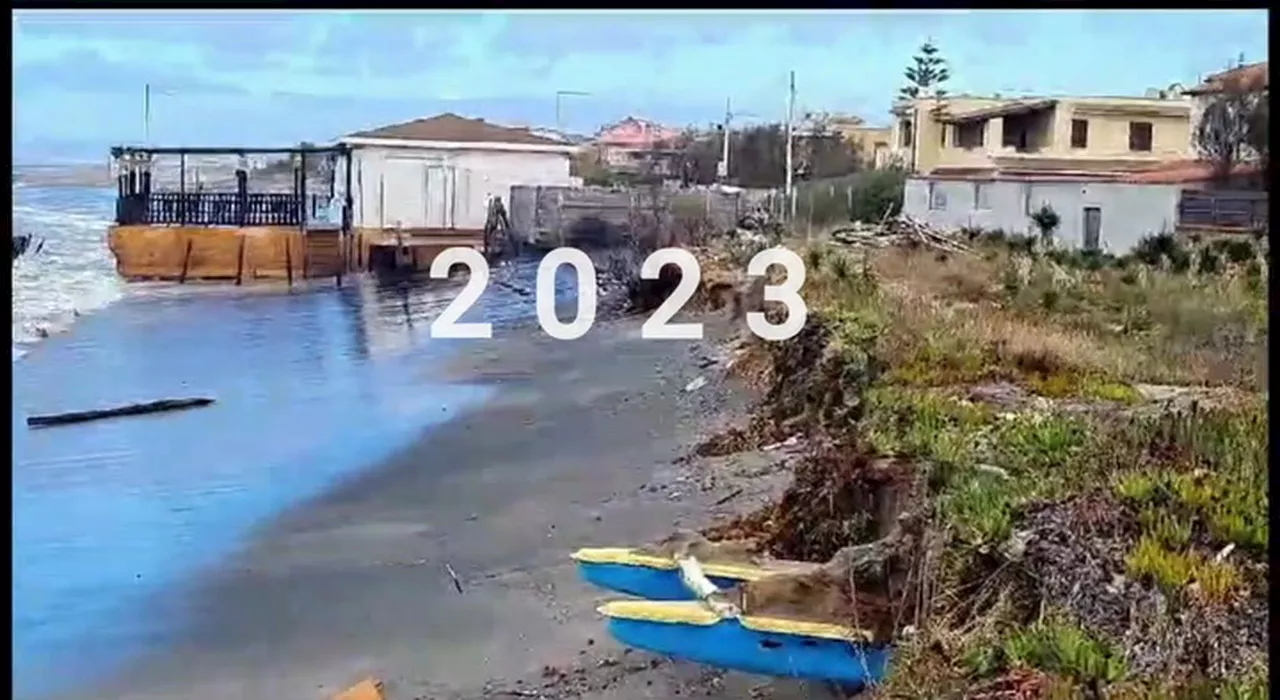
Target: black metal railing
(214, 209)
(1223, 209)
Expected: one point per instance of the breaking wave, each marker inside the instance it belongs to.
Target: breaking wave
(68, 271)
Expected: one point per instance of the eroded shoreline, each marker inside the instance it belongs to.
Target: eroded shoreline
(579, 447)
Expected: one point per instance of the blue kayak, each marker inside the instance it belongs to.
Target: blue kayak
(690, 631)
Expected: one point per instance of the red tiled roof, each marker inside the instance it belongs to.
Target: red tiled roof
(1251, 78)
(1185, 171)
(453, 128)
(634, 132)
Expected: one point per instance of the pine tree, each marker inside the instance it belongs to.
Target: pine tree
(927, 74)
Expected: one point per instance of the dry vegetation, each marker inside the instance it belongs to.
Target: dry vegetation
(1076, 531)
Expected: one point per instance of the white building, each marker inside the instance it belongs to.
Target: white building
(1093, 214)
(439, 172)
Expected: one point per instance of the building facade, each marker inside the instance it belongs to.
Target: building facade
(1099, 215)
(874, 143)
(440, 172)
(1066, 135)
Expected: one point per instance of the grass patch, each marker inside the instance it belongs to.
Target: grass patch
(1009, 314)
(1175, 571)
(1063, 648)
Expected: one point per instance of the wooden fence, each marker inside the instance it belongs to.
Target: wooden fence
(1223, 209)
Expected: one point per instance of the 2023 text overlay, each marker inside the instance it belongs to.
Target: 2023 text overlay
(657, 327)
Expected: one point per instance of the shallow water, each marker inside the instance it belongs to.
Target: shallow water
(113, 518)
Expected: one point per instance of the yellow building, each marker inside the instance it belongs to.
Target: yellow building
(987, 137)
(874, 143)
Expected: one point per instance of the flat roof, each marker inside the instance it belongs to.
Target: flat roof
(118, 151)
(1004, 110)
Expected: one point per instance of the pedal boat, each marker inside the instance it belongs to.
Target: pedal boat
(710, 630)
(635, 573)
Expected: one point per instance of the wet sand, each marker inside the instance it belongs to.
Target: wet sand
(579, 447)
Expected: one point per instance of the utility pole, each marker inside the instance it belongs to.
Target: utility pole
(791, 108)
(722, 170)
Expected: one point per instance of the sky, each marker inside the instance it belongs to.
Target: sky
(274, 78)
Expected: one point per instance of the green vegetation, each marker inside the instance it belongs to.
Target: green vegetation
(1017, 383)
(869, 196)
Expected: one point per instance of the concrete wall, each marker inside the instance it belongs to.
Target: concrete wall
(1129, 211)
(442, 189)
(548, 214)
(193, 253)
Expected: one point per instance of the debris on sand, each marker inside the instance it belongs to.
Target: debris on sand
(823, 390)
(866, 586)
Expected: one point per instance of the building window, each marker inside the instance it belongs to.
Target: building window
(907, 136)
(1140, 136)
(942, 135)
(1080, 133)
(937, 197)
(982, 195)
(970, 135)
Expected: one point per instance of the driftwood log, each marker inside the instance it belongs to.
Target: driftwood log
(133, 409)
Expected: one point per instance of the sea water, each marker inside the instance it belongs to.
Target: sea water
(312, 386)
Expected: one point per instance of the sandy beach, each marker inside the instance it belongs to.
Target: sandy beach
(582, 445)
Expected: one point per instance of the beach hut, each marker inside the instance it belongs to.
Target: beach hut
(430, 182)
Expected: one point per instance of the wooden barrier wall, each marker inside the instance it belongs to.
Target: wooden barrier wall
(188, 253)
(193, 253)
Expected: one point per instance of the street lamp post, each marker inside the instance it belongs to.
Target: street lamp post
(146, 111)
(722, 169)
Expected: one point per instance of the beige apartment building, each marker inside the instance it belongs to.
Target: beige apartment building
(874, 143)
(975, 137)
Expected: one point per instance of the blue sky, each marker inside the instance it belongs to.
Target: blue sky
(260, 78)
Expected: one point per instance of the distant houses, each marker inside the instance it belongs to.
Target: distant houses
(634, 144)
(874, 143)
